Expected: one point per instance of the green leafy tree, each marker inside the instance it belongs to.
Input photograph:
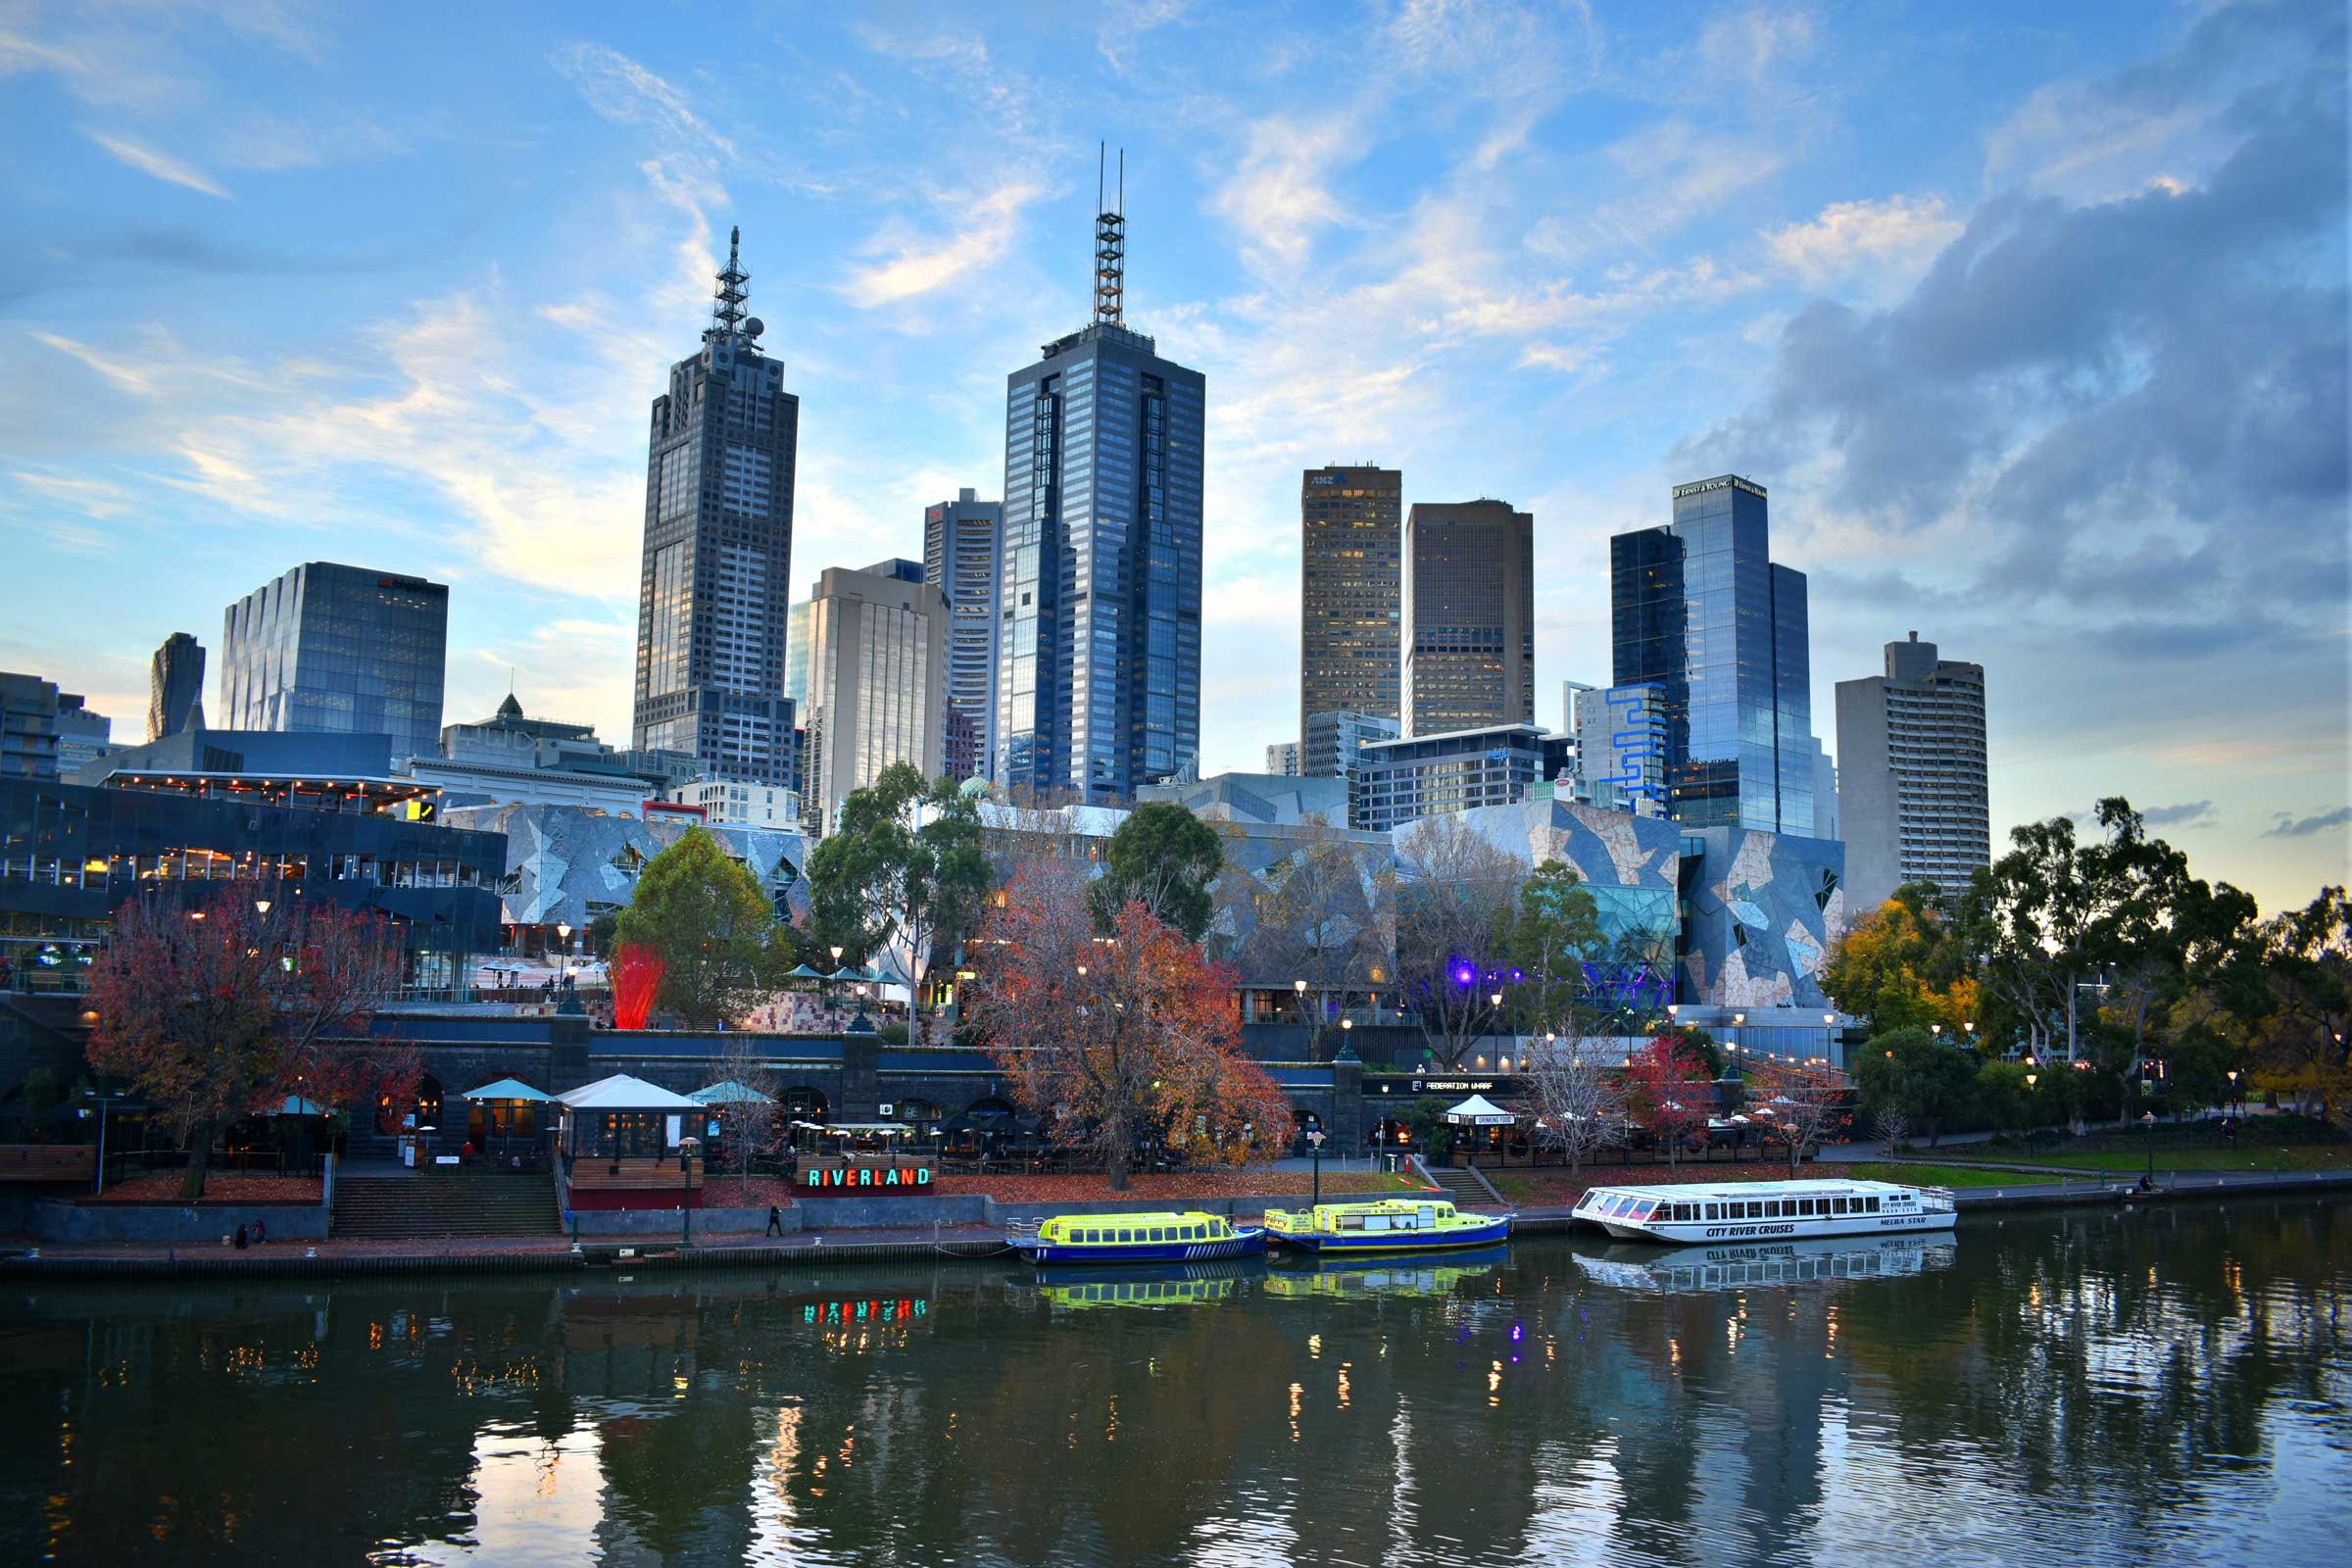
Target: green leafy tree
(1163, 857)
(1554, 929)
(706, 917)
(1930, 1082)
(903, 874)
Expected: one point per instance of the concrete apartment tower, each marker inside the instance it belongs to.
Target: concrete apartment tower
(1351, 579)
(960, 558)
(330, 649)
(1468, 634)
(877, 681)
(714, 590)
(1098, 626)
(1911, 779)
(174, 686)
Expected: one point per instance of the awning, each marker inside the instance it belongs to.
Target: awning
(505, 1089)
(621, 1091)
(731, 1093)
(1480, 1112)
(800, 971)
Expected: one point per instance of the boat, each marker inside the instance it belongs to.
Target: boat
(1741, 1265)
(1187, 1238)
(1384, 1225)
(1758, 1212)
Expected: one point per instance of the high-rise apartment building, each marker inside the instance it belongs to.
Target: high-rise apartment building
(960, 558)
(174, 686)
(1911, 776)
(877, 678)
(1281, 759)
(330, 649)
(1468, 635)
(1700, 610)
(1350, 577)
(1621, 746)
(1098, 619)
(28, 726)
(713, 591)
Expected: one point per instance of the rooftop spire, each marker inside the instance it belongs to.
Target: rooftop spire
(1110, 243)
(731, 292)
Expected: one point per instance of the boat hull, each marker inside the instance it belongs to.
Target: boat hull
(1389, 1244)
(1684, 1233)
(1242, 1242)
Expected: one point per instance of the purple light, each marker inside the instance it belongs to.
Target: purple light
(1518, 1332)
(1464, 976)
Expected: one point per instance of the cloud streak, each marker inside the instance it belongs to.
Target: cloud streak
(2304, 827)
(164, 167)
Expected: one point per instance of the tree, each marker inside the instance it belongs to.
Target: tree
(2299, 1030)
(1892, 1125)
(704, 916)
(1125, 1041)
(1799, 1104)
(223, 1011)
(1901, 967)
(1579, 1106)
(1669, 1094)
(1928, 1081)
(1452, 921)
(747, 1116)
(904, 873)
(1554, 929)
(1163, 857)
(1324, 916)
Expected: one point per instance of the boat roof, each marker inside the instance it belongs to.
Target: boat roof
(1384, 1206)
(1682, 1191)
(1161, 1217)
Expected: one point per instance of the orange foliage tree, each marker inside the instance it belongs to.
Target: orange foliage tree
(1669, 1093)
(225, 1010)
(1121, 1037)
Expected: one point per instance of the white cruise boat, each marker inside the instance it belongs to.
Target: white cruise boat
(1760, 1211)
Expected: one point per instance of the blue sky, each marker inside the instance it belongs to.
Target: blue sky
(2032, 319)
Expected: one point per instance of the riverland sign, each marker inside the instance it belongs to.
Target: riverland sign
(867, 1181)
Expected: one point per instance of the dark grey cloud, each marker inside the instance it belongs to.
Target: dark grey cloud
(2142, 401)
(2303, 827)
(2186, 813)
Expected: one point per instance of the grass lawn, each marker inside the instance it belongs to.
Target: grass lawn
(2250, 1155)
(1909, 1175)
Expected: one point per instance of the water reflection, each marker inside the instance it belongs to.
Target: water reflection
(2108, 1387)
(1807, 1261)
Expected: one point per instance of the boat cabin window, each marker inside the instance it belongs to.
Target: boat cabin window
(1126, 1236)
(1714, 1211)
(1874, 1204)
(1837, 1205)
(1429, 1215)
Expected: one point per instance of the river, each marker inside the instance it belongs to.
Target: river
(2172, 1385)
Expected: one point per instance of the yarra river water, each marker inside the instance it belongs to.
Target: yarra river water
(2172, 1386)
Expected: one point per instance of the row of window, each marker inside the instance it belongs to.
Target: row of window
(1149, 1232)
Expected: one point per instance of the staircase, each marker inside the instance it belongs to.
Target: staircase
(1466, 1185)
(445, 1204)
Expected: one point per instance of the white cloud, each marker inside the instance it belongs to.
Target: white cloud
(129, 376)
(984, 230)
(626, 93)
(1124, 22)
(1278, 197)
(164, 167)
(1886, 244)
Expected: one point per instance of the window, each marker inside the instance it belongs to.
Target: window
(1159, 1233)
(1126, 1236)
(1714, 1211)
(1874, 1204)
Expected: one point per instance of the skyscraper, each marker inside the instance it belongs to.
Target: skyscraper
(329, 648)
(1621, 746)
(1469, 629)
(877, 674)
(1911, 774)
(1098, 624)
(1350, 573)
(174, 686)
(960, 558)
(713, 591)
(1699, 608)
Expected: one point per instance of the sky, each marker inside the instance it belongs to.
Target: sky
(2032, 319)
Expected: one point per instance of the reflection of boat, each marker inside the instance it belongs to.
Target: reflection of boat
(1790, 1262)
(1190, 1238)
(1384, 1225)
(1384, 1276)
(1163, 1285)
(1756, 1211)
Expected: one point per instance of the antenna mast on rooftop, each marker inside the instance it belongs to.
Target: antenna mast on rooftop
(731, 292)
(1111, 244)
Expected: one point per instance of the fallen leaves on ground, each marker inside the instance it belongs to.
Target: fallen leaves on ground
(1170, 1186)
(163, 1187)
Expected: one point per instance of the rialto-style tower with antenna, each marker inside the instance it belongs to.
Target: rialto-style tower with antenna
(1099, 582)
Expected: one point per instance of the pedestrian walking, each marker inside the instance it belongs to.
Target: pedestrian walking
(775, 1221)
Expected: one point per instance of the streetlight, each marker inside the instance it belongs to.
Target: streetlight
(2147, 1119)
(2031, 1078)
(2234, 1094)
(260, 905)
(686, 1147)
(1314, 1139)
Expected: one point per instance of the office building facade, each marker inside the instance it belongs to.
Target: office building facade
(1281, 759)
(714, 591)
(1620, 746)
(1350, 582)
(1699, 611)
(1913, 802)
(877, 678)
(1468, 633)
(510, 758)
(174, 686)
(960, 540)
(83, 735)
(1400, 781)
(330, 649)
(1098, 621)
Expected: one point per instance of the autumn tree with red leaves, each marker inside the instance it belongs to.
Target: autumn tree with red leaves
(223, 1011)
(1124, 1038)
(1797, 1103)
(1668, 1091)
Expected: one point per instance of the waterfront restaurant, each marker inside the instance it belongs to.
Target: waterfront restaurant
(626, 1143)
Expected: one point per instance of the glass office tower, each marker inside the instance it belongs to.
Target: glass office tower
(1699, 611)
(960, 558)
(338, 650)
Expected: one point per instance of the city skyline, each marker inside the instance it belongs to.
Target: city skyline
(1823, 258)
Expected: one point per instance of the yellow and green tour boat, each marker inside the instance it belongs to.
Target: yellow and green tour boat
(1384, 1225)
(1187, 1238)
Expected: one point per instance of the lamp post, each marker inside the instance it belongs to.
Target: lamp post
(2234, 1094)
(686, 1147)
(1314, 1141)
(2147, 1119)
(2031, 1118)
